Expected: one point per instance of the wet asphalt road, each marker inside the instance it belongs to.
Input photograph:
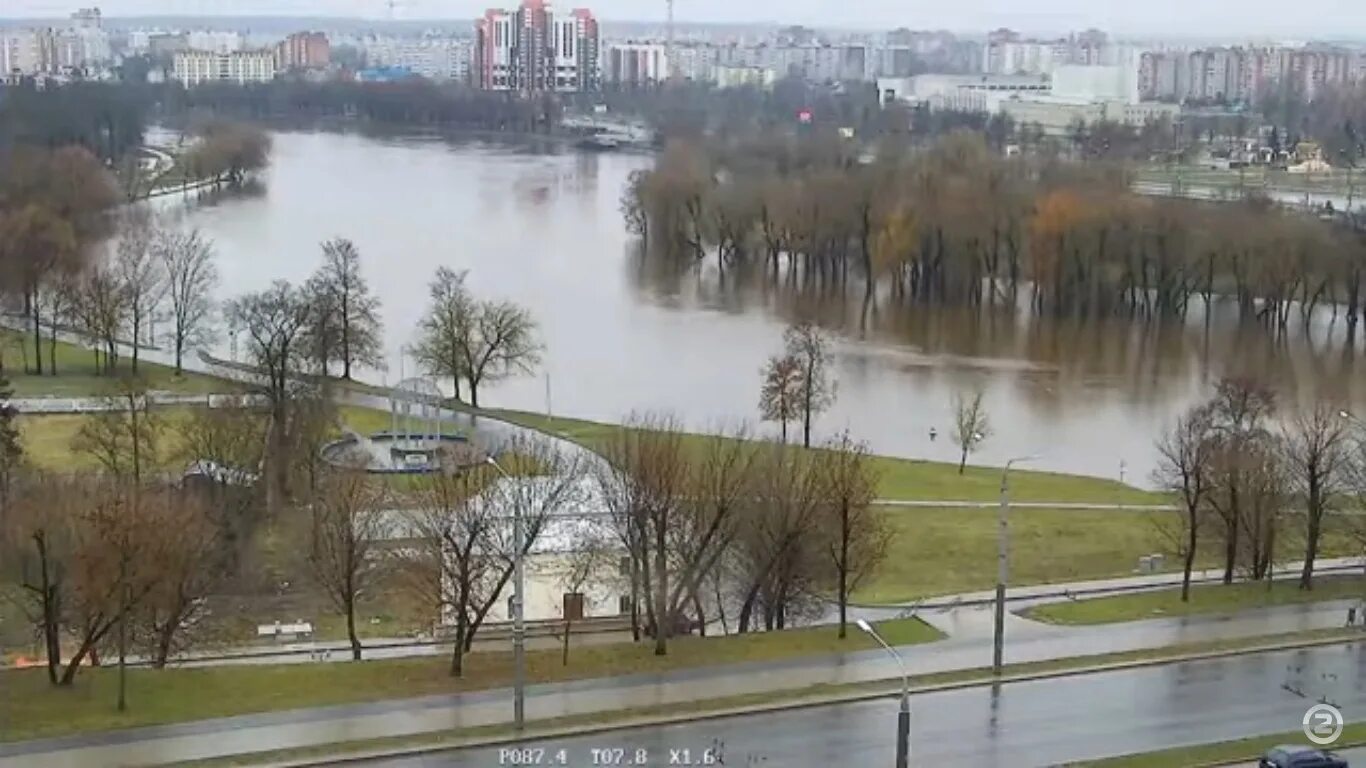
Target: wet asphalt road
(1025, 724)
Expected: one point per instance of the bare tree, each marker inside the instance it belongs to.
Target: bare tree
(349, 527)
(481, 342)
(83, 550)
(1264, 507)
(40, 538)
(780, 398)
(101, 305)
(124, 437)
(779, 552)
(584, 565)
(1238, 412)
(274, 321)
(447, 322)
(1185, 466)
(187, 259)
(722, 476)
(355, 310)
(54, 204)
(810, 347)
(465, 551)
(188, 563)
(1316, 455)
(971, 426)
(448, 564)
(857, 536)
(11, 447)
(227, 444)
(139, 271)
(322, 336)
(643, 484)
(312, 422)
(501, 343)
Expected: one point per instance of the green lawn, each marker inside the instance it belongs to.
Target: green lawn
(76, 373)
(945, 551)
(32, 709)
(1226, 752)
(908, 479)
(1205, 599)
(48, 438)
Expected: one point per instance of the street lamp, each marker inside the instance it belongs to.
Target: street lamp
(903, 718)
(518, 618)
(1003, 566)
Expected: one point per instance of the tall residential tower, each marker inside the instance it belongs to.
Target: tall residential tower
(536, 50)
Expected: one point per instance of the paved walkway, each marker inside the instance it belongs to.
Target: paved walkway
(301, 728)
(963, 615)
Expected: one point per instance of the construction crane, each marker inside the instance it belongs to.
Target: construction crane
(669, 43)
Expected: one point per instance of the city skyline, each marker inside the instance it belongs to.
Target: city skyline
(1226, 18)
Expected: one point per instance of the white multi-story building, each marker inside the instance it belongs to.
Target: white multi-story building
(19, 52)
(816, 62)
(694, 61)
(432, 58)
(633, 65)
(1239, 74)
(968, 93)
(52, 51)
(728, 76)
(241, 67)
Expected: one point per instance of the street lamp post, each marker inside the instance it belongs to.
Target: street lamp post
(1002, 567)
(903, 718)
(518, 617)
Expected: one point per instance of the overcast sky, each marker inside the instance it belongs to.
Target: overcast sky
(1190, 18)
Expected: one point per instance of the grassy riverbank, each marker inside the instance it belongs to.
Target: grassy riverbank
(1204, 599)
(947, 551)
(903, 479)
(76, 376)
(49, 439)
(31, 708)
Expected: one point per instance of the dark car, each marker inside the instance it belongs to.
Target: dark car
(1300, 757)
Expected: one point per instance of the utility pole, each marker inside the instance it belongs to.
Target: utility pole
(903, 715)
(518, 615)
(1002, 568)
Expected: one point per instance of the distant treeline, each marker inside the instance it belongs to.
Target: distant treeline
(108, 120)
(958, 224)
(413, 102)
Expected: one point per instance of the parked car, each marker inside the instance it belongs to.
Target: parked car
(1295, 756)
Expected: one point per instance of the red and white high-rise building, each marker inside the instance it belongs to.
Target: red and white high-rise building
(534, 50)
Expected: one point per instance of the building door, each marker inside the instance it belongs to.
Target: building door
(573, 606)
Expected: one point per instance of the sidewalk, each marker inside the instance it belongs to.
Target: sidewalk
(311, 727)
(1117, 585)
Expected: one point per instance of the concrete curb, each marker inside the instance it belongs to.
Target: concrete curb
(1060, 592)
(1331, 748)
(871, 690)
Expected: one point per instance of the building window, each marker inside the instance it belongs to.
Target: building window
(624, 605)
